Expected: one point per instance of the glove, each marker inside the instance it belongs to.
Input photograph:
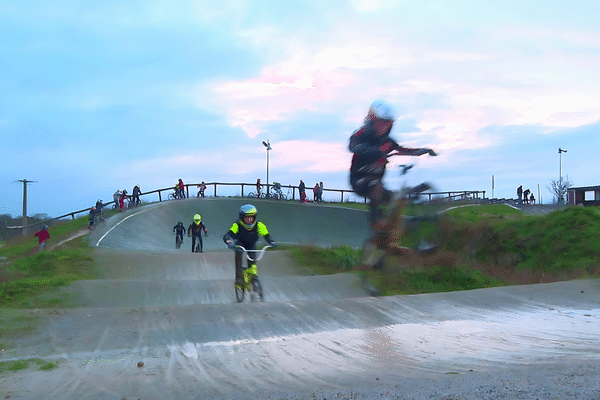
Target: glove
(432, 153)
(230, 245)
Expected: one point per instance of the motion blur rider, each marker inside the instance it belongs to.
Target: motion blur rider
(245, 232)
(371, 145)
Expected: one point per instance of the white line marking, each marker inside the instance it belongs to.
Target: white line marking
(119, 223)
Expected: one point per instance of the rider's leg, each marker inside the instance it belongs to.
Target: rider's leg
(193, 242)
(200, 241)
(238, 269)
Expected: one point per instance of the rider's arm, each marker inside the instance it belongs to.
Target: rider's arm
(360, 143)
(231, 234)
(405, 151)
(264, 232)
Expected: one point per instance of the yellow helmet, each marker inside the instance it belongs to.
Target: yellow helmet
(197, 219)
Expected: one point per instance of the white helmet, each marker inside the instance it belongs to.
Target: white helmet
(380, 110)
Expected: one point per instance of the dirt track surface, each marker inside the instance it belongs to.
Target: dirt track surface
(313, 337)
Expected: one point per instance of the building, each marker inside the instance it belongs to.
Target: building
(584, 196)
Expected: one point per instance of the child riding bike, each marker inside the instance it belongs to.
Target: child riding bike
(179, 231)
(371, 146)
(245, 232)
(195, 231)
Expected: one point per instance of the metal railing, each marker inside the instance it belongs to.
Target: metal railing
(448, 196)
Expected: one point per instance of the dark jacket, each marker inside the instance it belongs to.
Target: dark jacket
(196, 230)
(247, 238)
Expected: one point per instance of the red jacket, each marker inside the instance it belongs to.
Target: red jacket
(43, 235)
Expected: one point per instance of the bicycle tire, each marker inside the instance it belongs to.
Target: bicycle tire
(372, 256)
(257, 289)
(239, 293)
(171, 196)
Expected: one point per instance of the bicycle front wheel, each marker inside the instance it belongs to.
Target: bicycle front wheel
(257, 292)
(239, 293)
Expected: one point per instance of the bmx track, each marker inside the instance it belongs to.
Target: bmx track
(313, 337)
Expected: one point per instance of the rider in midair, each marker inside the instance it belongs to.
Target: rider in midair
(371, 144)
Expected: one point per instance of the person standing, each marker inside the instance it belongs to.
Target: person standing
(526, 196)
(302, 190)
(42, 236)
(316, 193)
(258, 188)
(136, 195)
(520, 195)
(320, 191)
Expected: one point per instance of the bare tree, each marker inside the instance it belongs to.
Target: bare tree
(559, 188)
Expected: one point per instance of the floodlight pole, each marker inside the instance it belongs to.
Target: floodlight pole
(268, 146)
(560, 151)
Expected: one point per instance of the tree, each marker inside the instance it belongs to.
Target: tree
(559, 188)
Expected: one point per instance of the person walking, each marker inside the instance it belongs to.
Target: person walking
(42, 236)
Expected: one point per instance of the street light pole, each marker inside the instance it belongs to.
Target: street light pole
(560, 151)
(268, 146)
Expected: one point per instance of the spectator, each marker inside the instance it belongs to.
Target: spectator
(116, 198)
(122, 199)
(316, 193)
(136, 195)
(532, 199)
(320, 191)
(520, 195)
(526, 196)
(43, 235)
(302, 190)
(99, 205)
(201, 188)
(258, 188)
(180, 189)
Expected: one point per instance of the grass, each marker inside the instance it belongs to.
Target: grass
(28, 279)
(24, 364)
(484, 246)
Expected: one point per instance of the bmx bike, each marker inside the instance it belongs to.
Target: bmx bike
(176, 196)
(251, 284)
(97, 219)
(410, 224)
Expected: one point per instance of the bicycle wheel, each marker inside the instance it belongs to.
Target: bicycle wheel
(372, 255)
(171, 196)
(257, 292)
(251, 194)
(239, 293)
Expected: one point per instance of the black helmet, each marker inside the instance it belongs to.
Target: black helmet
(245, 211)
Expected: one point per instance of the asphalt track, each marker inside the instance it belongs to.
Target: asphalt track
(313, 337)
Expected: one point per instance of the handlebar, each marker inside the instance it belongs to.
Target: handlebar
(258, 253)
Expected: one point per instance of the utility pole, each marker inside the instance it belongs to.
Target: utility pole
(24, 222)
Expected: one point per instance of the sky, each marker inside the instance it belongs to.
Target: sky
(96, 97)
